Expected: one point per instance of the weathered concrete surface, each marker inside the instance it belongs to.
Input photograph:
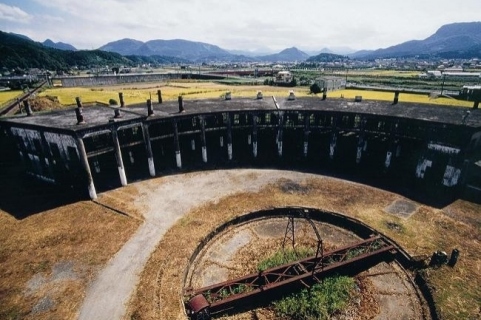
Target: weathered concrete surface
(166, 199)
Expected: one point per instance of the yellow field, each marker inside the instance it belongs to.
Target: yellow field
(138, 93)
(6, 96)
(403, 97)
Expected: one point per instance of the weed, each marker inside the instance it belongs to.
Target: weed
(282, 257)
(321, 301)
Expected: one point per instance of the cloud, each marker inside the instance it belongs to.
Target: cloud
(48, 18)
(14, 14)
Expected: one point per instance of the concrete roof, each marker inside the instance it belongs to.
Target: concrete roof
(96, 116)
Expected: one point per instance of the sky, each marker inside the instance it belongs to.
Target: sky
(251, 25)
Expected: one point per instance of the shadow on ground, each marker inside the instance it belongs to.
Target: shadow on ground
(22, 196)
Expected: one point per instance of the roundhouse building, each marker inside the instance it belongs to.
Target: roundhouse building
(422, 150)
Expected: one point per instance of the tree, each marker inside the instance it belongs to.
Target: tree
(315, 89)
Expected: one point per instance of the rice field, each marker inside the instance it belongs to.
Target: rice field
(140, 92)
(6, 96)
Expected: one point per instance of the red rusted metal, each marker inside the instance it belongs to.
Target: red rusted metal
(230, 294)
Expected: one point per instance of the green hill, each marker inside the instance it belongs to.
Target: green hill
(17, 52)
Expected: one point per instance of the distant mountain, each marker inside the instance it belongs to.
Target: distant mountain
(453, 38)
(19, 52)
(334, 50)
(254, 53)
(196, 51)
(360, 54)
(124, 47)
(20, 36)
(327, 57)
(58, 45)
(178, 48)
(156, 60)
(290, 54)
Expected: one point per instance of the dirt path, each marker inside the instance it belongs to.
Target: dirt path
(165, 200)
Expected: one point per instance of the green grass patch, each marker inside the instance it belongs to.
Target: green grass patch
(282, 257)
(321, 301)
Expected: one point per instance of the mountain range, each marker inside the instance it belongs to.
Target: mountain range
(462, 39)
(457, 40)
(195, 51)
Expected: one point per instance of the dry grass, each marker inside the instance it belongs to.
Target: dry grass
(50, 250)
(457, 289)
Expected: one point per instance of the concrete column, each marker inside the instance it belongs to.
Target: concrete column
(202, 139)
(306, 134)
(393, 146)
(387, 162)
(131, 157)
(229, 137)
(47, 155)
(85, 164)
(333, 144)
(398, 151)
(148, 148)
(361, 143)
(118, 157)
(279, 134)
(178, 157)
(254, 136)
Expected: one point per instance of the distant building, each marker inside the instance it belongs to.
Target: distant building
(284, 77)
(454, 69)
(331, 83)
(431, 74)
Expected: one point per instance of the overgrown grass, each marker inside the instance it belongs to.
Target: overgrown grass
(320, 302)
(282, 257)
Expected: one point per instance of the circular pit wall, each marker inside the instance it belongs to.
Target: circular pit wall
(234, 249)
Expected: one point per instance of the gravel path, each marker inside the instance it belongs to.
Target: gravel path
(166, 199)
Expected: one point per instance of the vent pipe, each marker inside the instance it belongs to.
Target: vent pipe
(78, 111)
(150, 111)
(292, 96)
(159, 95)
(121, 98)
(181, 104)
(396, 97)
